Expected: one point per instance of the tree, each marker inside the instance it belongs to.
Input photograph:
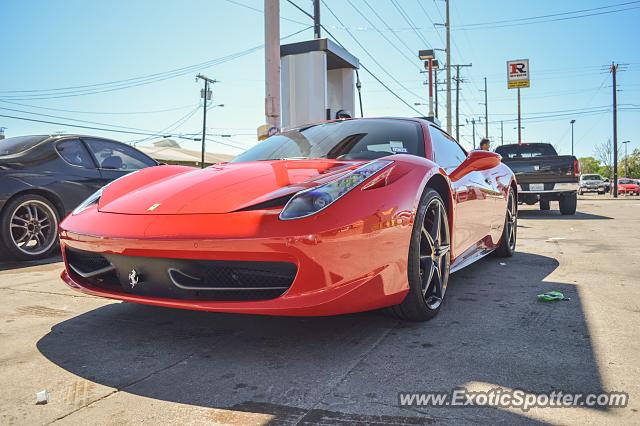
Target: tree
(590, 165)
(633, 162)
(604, 153)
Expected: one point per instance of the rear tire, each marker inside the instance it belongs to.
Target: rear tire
(568, 203)
(545, 205)
(510, 231)
(29, 226)
(428, 263)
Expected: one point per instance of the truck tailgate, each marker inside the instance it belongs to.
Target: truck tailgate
(541, 169)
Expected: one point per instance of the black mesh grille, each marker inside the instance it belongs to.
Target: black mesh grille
(86, 261)
(185, 278)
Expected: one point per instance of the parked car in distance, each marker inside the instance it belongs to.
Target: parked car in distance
(543, 175)
(628, 186)
(592, 183)
(43, 178)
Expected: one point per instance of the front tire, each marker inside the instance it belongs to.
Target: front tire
(568, 203)
(29, 226)
(510, 231)
(429, 261)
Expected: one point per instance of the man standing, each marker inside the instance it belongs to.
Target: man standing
(484, 144)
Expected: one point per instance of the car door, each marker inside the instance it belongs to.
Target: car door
(116, 159)
(77, 176)
(473, 205)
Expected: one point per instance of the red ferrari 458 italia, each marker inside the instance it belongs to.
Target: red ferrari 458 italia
(329, 218)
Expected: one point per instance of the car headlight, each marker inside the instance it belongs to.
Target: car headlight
(311, 201)
(93, 199)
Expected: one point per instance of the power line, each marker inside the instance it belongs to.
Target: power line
(132, 82)
(547, 16)
(375, 61)
(411, 60)
(492, 26)
(246, 6)
(411, 51)
(173, 126)
(99, 112)
(407, 18)
(84, 127)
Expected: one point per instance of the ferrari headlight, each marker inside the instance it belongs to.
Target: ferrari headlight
(313, 200)
(93, 199)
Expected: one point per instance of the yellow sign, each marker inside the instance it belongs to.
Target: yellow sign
(518, 84)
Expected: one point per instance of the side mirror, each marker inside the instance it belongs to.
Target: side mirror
(477, 160)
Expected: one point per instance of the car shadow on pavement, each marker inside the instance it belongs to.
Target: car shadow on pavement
(7, 263)
(556, 215)
(346, 369)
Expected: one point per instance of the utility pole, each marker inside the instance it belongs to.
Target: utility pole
(435, 81)
(572, 123)
(205, 94)
(473, 129)
(458, 81)
(501, 132)
(448, 47)
(614, 70)
(486, 110)
(316, 19)
(272, 62)
(626, 159)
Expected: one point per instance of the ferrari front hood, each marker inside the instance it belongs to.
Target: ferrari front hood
(221, 188)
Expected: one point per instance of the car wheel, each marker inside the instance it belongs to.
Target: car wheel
(568, 203)
(580, 192)
(429, 261)
(510, 231)
(29, 226)
(601, 192)
(545, 205)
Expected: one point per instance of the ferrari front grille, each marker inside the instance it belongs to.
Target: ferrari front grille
(182, 278)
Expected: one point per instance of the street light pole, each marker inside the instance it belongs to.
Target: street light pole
(626, 159)
(572, 122)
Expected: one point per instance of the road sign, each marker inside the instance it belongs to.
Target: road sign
(518, 74)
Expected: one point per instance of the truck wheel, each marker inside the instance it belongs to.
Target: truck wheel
(568, 203)
(545, 205)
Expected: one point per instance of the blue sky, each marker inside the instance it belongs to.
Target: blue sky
(58, 44)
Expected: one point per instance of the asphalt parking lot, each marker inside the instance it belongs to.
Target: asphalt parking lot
(109, 363)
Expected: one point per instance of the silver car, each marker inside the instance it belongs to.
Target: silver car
(592, 183)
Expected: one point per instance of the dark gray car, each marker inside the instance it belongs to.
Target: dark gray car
(43, 178)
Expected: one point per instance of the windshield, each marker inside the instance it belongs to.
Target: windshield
(626, 181)
(366, 139)
(526, 150)
(18, 144)
(591, 177)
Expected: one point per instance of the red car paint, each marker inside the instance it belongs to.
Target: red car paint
(351, 257)
(628, 186)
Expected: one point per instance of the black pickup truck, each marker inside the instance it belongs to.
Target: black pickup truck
(543, 175)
